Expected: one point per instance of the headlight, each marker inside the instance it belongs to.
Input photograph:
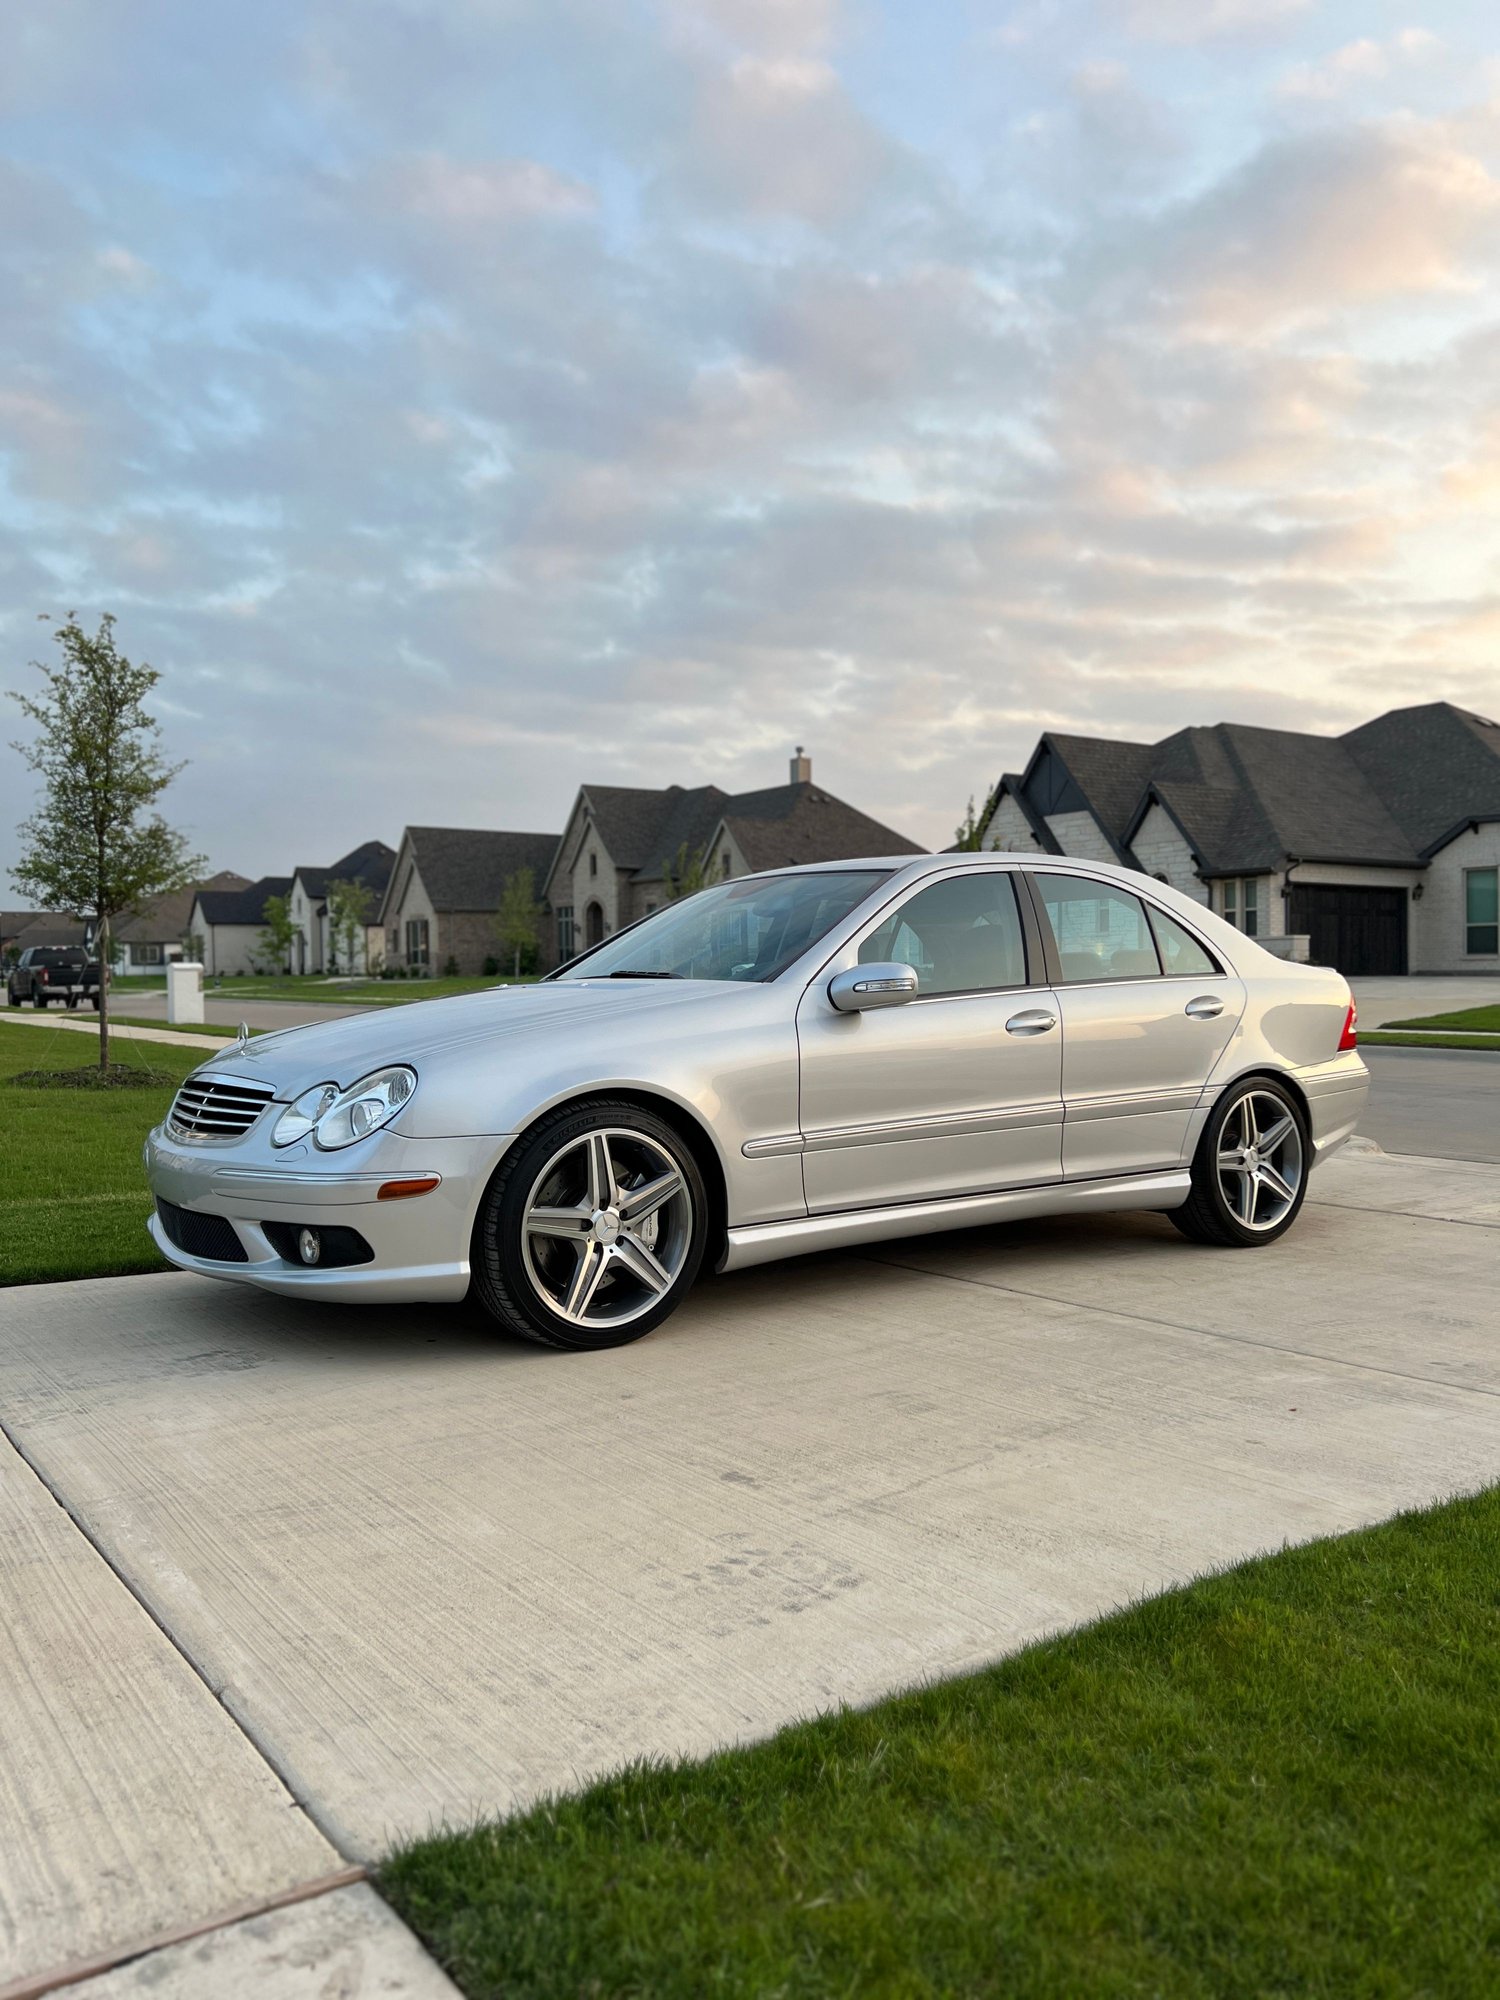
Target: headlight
(337, 1117)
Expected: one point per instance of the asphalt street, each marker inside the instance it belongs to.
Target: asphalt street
(1440, 1103)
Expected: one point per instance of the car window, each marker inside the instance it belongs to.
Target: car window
(1182, 956)
(959, 936)
(1101, 933)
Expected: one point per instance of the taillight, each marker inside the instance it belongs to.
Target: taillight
(42, 974)
(1350, 1039)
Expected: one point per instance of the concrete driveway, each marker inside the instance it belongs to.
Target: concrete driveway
(313, 1578)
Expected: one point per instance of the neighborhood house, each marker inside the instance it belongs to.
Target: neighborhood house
(1377, 851)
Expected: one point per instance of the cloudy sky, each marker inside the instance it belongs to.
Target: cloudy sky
(457, 400)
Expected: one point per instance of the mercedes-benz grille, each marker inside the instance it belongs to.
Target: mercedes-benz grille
(217, 1107)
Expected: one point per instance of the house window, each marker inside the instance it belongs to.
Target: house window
(1482, 912)
(1241, 903)
(418, 950)
(724, 863)
(566, 947)
(593, 864)
(146, 954)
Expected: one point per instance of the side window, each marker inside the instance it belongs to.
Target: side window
(1102, 933)
(960, 936)
(1182, 957)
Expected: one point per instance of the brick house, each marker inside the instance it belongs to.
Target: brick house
(622, 845)
(315, 949)
(446, 888)
(1377, 851)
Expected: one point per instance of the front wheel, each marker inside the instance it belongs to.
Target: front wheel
(593, 1228)
(1250, 1170)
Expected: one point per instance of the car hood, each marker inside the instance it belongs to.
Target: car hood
(294, 1059)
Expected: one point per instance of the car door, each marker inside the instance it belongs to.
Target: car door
(1147, 1011)
(957, 1091)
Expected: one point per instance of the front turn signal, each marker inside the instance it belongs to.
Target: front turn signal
(1349, 1039)
(404, 1190)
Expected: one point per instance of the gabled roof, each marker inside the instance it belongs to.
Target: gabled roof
(50, 927)
(467, 868)
(166, 918)
(13, 922)
(643, 832)
(1012, 786)
(371, 864)
(787, 825)
(1435, 766)
(241, 906)
(1110, 774)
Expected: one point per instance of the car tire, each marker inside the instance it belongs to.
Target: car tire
(71, 1003)
(38, 999)
(563, 1254)
(1249, 1176)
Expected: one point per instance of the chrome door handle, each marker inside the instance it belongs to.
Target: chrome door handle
(1034, 1021)
(1207, 1007)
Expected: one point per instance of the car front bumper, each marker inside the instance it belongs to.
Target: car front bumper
(420, 1243)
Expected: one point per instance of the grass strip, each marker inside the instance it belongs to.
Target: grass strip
(1283, 1779)
(73, 1199)
(1472, 1018)
(1382, 1038)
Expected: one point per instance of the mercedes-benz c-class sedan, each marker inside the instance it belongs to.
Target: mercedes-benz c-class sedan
(812, 1057)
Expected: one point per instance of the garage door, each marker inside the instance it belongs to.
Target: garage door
(1358, 930)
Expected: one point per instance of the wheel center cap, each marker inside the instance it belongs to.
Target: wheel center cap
(606, 1226)
(1252, 1157)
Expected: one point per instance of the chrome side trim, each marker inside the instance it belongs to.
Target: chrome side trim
(1121, 1104)
(951, 1125)
(764, 1242)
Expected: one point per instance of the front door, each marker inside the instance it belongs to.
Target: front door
(955, 1092)
(1146, 1012)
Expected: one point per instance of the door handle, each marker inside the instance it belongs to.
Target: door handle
(1033, 1021)
(1207, 1007)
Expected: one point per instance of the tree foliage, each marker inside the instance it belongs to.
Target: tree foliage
(95, 844)
(968, 835)
(350, 905)
(518, 926)
(687, 874)
(280, 932)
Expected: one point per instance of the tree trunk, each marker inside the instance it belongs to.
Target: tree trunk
(103, 943)
(518, 961)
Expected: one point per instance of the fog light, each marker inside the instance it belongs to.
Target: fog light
(309, 1246)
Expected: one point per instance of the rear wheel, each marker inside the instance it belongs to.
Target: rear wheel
(593, 1229)
(1250, 1170)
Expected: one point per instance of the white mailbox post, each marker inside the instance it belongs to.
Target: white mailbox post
(184, 990)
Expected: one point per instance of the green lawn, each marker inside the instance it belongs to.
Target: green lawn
(1379, 1038)
(1472, 1019)
(1283, 1780)
(73, 1200)
(358, 992)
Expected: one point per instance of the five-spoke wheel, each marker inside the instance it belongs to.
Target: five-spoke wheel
(592, 1229)
(1250, 1172)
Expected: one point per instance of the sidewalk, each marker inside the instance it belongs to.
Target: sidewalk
(45, 1018)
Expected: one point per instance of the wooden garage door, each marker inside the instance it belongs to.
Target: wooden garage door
(1358, 930)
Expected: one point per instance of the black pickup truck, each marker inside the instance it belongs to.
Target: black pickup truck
(47, 972)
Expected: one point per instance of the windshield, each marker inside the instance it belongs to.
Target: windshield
(750, 929)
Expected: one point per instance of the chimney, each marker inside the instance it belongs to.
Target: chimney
(801, 768)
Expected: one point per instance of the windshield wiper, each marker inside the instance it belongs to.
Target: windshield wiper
(642, 975)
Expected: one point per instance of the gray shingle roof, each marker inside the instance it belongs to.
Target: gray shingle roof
(242, 906)
(370, 863)
(788, 825)
(1434, 766)
(166, 918)
(467, 868)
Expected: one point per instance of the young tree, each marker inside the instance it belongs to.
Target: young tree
(518, 920)
(95, 844)
(280, 932)
(687, 874)
(968, 836)
(349, 908)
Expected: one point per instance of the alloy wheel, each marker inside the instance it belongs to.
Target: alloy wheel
(607, 1228)
(1260, 1160)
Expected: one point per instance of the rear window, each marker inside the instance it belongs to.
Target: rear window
(57, 955)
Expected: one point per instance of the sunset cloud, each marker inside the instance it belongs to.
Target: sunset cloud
(456, 402)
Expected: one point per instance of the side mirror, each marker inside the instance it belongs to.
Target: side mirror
(866, 986)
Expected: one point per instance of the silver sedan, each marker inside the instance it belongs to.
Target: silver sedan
(786, 1062)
